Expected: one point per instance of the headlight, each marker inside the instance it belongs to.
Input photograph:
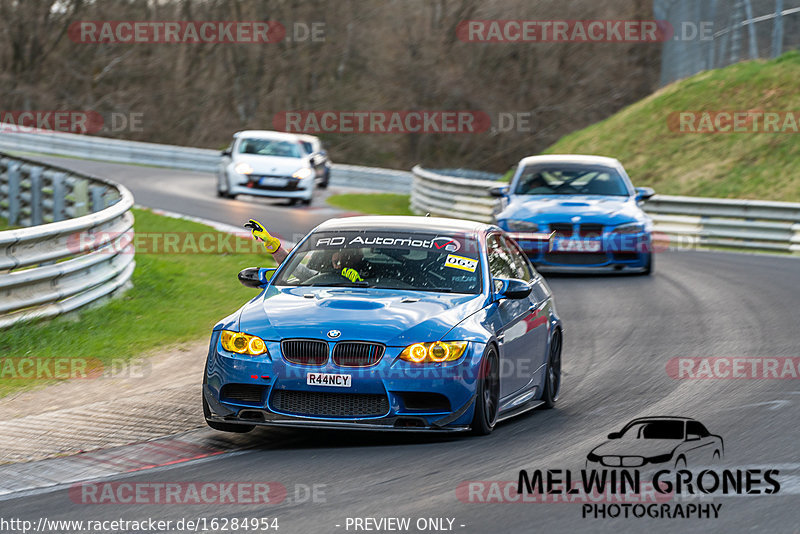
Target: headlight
(522, 226)
(592, 457)
(631, 228)
(243, 168)
(305, 172)
(439, 351)
(242, 343)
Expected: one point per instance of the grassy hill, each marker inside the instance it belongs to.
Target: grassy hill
(740, 165)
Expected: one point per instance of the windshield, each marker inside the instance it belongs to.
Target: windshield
(386, 259)
(570, 180)
(270, 147)
(656, 430)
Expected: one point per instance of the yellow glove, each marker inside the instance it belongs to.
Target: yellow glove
(352, 275)
(271, 244)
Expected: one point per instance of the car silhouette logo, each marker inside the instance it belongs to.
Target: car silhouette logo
(674, 442)
(333, 334)
(576, 219)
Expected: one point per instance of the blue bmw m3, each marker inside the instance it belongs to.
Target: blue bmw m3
(388, 323)
(591, 207)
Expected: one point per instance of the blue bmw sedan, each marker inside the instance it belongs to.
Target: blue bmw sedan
(589, 206)
(392, 324)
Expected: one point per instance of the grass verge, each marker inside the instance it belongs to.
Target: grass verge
(725, 165)
(373, 203)
(175, 298)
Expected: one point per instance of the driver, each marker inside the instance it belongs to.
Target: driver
(345, 262)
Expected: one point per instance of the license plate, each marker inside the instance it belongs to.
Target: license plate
(278, 182)
(577, 245)
(328, 379)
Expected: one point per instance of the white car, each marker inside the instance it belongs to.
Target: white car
(269, 164)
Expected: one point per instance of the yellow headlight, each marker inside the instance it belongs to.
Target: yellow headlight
(440, 351)
(242, 343)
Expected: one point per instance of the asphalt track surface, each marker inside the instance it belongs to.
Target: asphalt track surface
(620, 333)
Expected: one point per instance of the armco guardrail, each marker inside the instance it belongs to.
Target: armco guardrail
(75, 246)
(451, 196)
(689, 222)
(177, 157)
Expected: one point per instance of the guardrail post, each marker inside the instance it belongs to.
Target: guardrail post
(80, 197)
(36, 195)
(97, 195)
(59, 200)
(13, 193)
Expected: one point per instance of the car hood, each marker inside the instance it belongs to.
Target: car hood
(272, 165)
(561, 208)
(637, 447)
(392, 317)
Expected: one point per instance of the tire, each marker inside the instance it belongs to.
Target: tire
(224, 194)
(222, 427)
(552, 381)
(487, 400)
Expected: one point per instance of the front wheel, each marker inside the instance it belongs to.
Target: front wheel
(552, 383)
(487, 400)
(226, 192)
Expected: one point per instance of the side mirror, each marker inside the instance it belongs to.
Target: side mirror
(255, 277)
(692, 437)
(226, 152)
(644, 193)
(499, 191)
(511, 288)
(614, 435)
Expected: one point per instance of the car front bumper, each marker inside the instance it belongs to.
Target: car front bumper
(394, 382)
(611, 252)
(294, 188)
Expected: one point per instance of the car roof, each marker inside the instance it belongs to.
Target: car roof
(661, 418)
(266, 134)
(405, 223)
(307, 137)
(571, 158)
